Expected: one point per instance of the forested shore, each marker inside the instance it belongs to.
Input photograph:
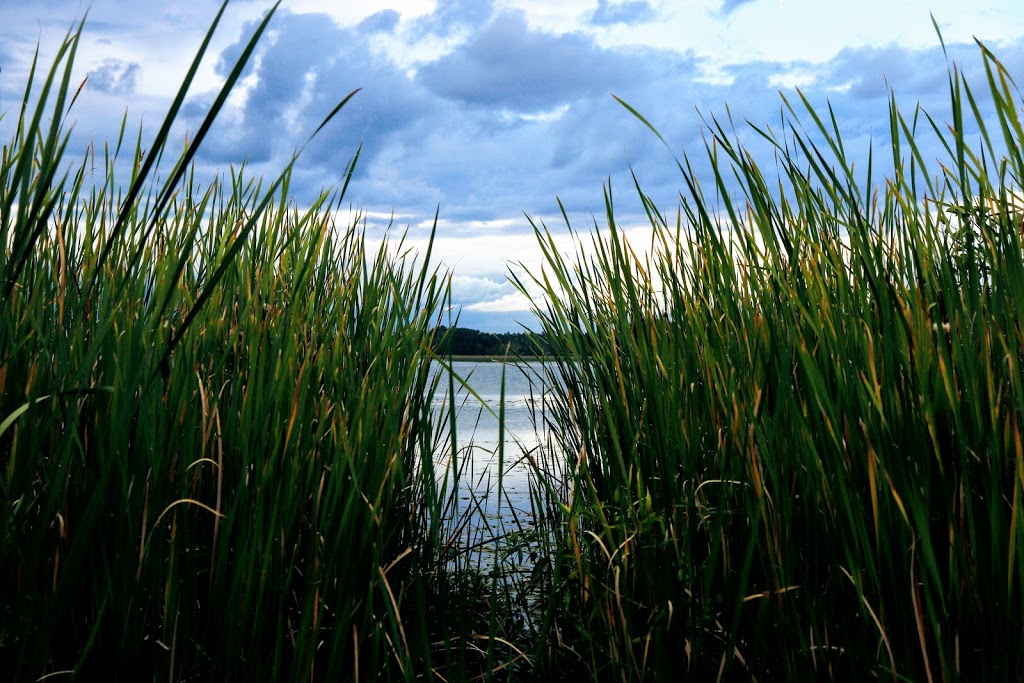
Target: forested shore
(465, 341)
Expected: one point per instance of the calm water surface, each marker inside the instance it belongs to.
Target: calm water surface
(484, 451)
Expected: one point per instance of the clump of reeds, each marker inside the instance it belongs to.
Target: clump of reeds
(215, 422)
(794, 425)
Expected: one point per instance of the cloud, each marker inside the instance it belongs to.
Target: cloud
(729, 6)
(869, 73)
(480, 160)
(920, 73)
(382, 22)
(292, 88)
(115, 77)
(511, 66)
(477, 291)
(513, 302)
(489, 112)
(629, 12)
(451, 16)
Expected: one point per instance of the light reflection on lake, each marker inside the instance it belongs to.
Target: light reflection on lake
(479, 435)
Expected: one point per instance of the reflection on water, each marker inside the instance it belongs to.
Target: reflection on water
(523, 391)
(486, 451)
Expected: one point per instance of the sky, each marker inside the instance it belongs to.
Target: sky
(491, 112)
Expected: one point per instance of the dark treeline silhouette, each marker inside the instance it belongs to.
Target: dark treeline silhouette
(463, 341)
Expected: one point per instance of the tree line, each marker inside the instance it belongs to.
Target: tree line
(464, 341)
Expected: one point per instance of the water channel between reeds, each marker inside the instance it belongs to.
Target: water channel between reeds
(502, 438)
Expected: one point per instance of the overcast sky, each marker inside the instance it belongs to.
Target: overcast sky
(490, 109)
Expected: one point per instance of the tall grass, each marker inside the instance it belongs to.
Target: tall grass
(795, 422)
(792, 428)
(215, 422)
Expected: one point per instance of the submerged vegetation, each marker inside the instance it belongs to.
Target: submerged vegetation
(790, 433)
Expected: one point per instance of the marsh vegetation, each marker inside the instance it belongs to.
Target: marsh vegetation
(781, 442)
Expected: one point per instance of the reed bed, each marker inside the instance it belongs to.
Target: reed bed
(791, 427)
(215, 423)
(794, 421)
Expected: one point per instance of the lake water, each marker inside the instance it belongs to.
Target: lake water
(485, 451)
